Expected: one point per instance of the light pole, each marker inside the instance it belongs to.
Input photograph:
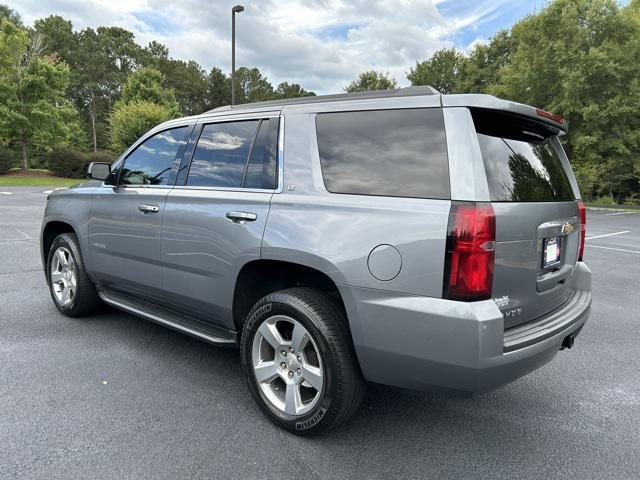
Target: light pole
(234, 10)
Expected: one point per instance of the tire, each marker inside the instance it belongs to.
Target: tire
(319, 404)
(82, 296)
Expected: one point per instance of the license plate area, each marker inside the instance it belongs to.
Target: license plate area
(551, 251)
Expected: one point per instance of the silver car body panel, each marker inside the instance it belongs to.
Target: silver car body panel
(404, 333)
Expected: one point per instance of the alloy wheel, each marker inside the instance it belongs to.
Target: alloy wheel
(287, 365)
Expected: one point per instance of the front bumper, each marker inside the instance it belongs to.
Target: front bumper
(426, 343)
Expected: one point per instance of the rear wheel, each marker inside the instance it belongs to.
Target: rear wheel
(299, 361)
(70, 287)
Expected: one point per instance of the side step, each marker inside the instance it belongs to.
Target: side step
(177, 321)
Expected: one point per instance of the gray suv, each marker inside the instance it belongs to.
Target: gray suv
(403, 237)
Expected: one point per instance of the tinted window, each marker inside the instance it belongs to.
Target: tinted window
(397, 153)
(520, 160)
(261, 170)
(156, 160)
(221, 154)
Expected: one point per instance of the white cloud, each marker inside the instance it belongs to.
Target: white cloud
(321, 44)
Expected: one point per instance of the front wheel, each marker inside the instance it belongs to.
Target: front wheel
(299, 361)
(70, 287)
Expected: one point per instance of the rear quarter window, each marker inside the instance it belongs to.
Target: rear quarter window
(396, 153)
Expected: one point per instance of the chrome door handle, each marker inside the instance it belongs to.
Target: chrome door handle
(241, 217)
(149, 208)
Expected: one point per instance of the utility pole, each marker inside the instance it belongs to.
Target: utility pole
(234, 10)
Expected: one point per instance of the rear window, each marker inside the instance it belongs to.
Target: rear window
(396, 153)
(520, 160)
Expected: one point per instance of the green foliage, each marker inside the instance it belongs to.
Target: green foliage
(291, 90)
(129, 121)
(442, 71)
(67, 162)
(481, 68)
(9, 14)
(218, 89)
(72, 163)
(34, 112)
(104, 156)
(371, 80)
(8, 159)
(251, 86)
(145, 85)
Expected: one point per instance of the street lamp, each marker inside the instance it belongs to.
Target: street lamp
(234, 10)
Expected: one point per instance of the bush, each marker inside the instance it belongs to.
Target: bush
(129, 121)
(8, 159)
(104, 156)
(68, 162)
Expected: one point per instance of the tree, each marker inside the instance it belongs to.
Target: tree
(371, 80)
(129, 121)
(9, 14)
(251, 86)
(187, 79)
(218, 89)
(291, 90)
(33, 108)
(441, 71)
(143, 104)
(58, 38)
(481, 68)
(145, 84)
(581, 58)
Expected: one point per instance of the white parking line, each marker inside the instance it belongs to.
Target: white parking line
(607, 235)
(6, 193)
(617, 213)
(611, 248)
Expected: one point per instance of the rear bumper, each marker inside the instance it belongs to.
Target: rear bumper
(427, 343)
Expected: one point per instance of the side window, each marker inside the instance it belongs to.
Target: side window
(156, 160)
(261, 169)
(221, 154)
(396, 153)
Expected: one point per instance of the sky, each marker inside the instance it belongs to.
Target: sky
(320, 44)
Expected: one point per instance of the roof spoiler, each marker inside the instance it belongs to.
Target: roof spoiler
(494, 103)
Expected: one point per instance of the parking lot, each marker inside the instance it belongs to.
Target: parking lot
(115, 396)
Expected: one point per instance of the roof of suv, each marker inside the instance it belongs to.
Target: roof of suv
(371, 94)
(473, 100)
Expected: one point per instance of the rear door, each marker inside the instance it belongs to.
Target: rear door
(214, 220)
(537, 218)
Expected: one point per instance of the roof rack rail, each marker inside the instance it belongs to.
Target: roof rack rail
(395, 92)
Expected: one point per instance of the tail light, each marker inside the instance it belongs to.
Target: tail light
(583, 228)
(470, 251)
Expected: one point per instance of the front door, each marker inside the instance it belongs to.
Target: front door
(126, 218)
(213, 224)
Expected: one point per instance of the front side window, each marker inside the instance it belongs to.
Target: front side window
(156, 160)
(396, 153)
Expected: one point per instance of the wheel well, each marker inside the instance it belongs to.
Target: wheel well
(50, 232)
(261, 277)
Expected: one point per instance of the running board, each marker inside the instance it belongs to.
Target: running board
(182, 323)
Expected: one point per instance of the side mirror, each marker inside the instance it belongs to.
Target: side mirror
(98, 170)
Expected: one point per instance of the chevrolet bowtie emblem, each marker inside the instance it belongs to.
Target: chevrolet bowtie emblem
(567, 228)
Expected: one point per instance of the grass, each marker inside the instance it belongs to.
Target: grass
(35, 178)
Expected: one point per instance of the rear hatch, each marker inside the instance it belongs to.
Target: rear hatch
(537, 217)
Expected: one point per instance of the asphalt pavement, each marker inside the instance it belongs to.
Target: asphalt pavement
(115, 396)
